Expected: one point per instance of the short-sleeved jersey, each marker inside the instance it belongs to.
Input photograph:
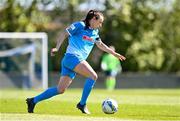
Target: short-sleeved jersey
(81, 40)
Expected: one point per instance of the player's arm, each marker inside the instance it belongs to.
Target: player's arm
(60, 40)
(70, 31)
(105, 48)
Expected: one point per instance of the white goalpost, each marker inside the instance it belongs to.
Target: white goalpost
(29, 49)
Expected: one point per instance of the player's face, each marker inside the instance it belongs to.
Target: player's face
(97, 23)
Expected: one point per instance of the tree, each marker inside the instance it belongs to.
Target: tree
(16, 17)
(137, 29)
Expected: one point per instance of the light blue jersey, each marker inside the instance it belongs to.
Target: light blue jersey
(81, 41)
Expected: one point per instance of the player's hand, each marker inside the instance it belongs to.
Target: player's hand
(121, 57)
(53, 51)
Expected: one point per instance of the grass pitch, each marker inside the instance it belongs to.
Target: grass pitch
(134, 105)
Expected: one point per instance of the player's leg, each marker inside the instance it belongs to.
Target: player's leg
(64, 83)
(31, 102)
(84, 69)
(110, 83)
(111, 80)
(65, 80)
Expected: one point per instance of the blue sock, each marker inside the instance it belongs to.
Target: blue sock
(89, 84)
(46, 94)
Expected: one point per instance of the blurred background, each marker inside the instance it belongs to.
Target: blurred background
(147, 32)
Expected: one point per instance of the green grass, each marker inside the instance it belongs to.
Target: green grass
(134, 104)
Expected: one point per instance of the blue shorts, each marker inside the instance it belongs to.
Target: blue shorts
(68, 63)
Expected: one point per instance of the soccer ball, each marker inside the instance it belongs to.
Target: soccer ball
(109, 106)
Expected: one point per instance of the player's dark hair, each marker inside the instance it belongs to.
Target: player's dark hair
(90, 15)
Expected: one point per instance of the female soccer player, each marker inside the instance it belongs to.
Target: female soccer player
(82, 36)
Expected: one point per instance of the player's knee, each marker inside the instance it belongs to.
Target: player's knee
(94, 76)
(61, 90)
